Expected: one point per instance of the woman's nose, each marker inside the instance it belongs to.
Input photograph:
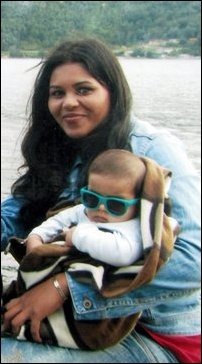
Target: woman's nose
(70, 101)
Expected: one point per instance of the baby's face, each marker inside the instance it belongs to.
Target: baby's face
(108, 186)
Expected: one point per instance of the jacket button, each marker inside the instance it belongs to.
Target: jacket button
(87, 303)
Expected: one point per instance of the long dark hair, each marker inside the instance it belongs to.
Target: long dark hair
(48, 152)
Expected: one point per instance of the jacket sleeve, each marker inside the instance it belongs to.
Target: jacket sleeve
(11, 223)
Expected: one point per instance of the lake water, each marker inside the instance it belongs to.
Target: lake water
(167, 92)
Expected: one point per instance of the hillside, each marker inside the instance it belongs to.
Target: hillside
(138, 28)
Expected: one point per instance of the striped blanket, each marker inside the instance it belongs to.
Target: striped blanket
(158, 231)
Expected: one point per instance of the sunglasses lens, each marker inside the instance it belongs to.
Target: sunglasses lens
(89, 200)
(113, 205)
(117, 208)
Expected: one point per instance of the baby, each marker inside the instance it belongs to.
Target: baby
(106, 224)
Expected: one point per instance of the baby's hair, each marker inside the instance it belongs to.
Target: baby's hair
(120, 163)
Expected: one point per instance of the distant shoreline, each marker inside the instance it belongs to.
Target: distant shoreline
(157, 49)
(179, 56)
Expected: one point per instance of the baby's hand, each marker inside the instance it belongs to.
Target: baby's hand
(32, 242)
(68, 236)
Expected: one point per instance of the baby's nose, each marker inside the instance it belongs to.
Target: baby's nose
(102, 207)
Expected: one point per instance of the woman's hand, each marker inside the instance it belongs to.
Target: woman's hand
(34, 305)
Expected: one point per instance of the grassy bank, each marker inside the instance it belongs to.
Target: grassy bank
(161, 49)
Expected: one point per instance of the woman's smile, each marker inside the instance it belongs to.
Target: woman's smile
(72, 120)
(72, 116)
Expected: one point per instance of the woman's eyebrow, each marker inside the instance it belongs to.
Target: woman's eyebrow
(80, 83)
(54, 86)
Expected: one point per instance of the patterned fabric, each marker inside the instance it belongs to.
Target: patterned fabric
(158, 234)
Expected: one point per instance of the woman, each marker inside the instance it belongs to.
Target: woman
(81, 106)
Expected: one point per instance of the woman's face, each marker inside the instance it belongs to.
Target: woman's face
(77, 101)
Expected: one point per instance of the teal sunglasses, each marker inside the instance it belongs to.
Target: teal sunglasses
(114, 206)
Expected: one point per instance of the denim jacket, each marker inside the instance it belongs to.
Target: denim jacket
(170, 304)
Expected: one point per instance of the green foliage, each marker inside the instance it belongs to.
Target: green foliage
(37, 26)
(144, 52)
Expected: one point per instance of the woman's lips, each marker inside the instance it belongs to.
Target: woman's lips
(72, 117)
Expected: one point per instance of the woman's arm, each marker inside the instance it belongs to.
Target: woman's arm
(34, 305)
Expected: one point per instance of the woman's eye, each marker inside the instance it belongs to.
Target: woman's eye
(84, 90)
(56, 93)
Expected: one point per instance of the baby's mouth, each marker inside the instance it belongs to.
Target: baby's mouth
(99, 219)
